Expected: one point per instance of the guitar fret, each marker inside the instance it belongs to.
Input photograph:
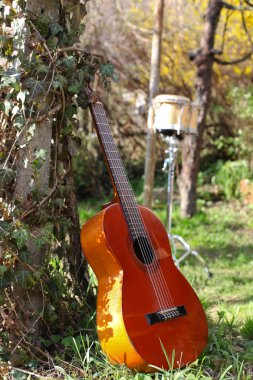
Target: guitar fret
(104, 124)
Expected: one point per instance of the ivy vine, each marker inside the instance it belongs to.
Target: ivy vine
(43, 73)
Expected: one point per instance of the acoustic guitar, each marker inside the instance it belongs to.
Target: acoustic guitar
(148, 315)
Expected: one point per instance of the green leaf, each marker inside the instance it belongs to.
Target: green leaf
(6, 176)
(77, 11)
(18, 121)
(21, 236)
(75, 88)
(115, 77)
(24, 278)
(55, 29)
(45, 236)
(8, 80)
(6, 277)
(69, 62)
(18, 375)
(52, 43)
(3, 269)
(37, 87)
(68, 341)
(70, 111)
(25, 257)
(5, 229)
(59, 81)
(106, 70)
(42, 69)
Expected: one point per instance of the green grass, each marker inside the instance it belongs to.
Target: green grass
(222, 233)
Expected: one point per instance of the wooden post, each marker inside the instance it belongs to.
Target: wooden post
(153, 91)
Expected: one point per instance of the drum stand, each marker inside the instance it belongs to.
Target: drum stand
(169, 164)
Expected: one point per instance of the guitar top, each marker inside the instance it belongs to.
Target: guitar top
(148, 316)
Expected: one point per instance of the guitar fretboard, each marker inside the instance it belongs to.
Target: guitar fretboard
(117, 170)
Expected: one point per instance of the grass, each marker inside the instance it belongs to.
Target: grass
(222, 234)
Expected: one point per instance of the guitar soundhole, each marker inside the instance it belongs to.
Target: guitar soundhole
(143, 250)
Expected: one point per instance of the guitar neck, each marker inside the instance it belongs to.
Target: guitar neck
(117, 171)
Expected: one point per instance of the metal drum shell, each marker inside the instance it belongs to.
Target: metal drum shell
(172, 113)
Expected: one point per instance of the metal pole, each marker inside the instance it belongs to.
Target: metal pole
(170, 163)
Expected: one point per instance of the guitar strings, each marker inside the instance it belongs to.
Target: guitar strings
(142, 246)
(158, 275)
(117, 157)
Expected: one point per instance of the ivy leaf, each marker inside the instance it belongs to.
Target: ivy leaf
(70, 111)
(106, 70)
(75, 88)
(25, 257)
(24, 278)
(5, 229)
(21, 236)
(69, 62)
(18, 121)
(37, 87)
(6, 176)
(77, 11)
(59, 81)
(3, 269)
(8, 81)
(42, 69)
(55, 29)
(6, 277)
(115, 77)
(45, 236)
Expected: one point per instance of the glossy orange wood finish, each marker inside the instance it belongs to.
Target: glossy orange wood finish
(126, 295)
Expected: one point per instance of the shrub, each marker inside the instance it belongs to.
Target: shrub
(230, 175)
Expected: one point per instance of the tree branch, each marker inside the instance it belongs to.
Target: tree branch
(225, 29)
(246, 29)
(232, 7)
(249, 3)
(235, 61)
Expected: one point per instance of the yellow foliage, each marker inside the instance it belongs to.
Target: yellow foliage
(183, 29)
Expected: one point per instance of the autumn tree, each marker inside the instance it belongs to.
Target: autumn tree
(44, 72)
(204, 58)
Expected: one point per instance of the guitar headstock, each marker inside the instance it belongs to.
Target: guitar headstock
(93, 98)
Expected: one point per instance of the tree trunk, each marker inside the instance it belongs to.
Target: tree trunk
(153, 91)
(29, 305)
(192, 144)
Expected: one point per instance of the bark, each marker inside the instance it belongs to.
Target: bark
(192, 144)
(153, 91)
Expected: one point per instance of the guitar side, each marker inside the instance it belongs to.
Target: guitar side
(111, 329)
(125, 296)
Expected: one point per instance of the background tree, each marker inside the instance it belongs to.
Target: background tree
(192, 143)
(153, 91)
(204, 58)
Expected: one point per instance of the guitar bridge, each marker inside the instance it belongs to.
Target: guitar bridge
(166, 315)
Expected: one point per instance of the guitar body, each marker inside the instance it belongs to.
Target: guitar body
(128, 297)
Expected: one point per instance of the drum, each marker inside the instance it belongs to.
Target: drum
(195, 110)
(172, 114)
